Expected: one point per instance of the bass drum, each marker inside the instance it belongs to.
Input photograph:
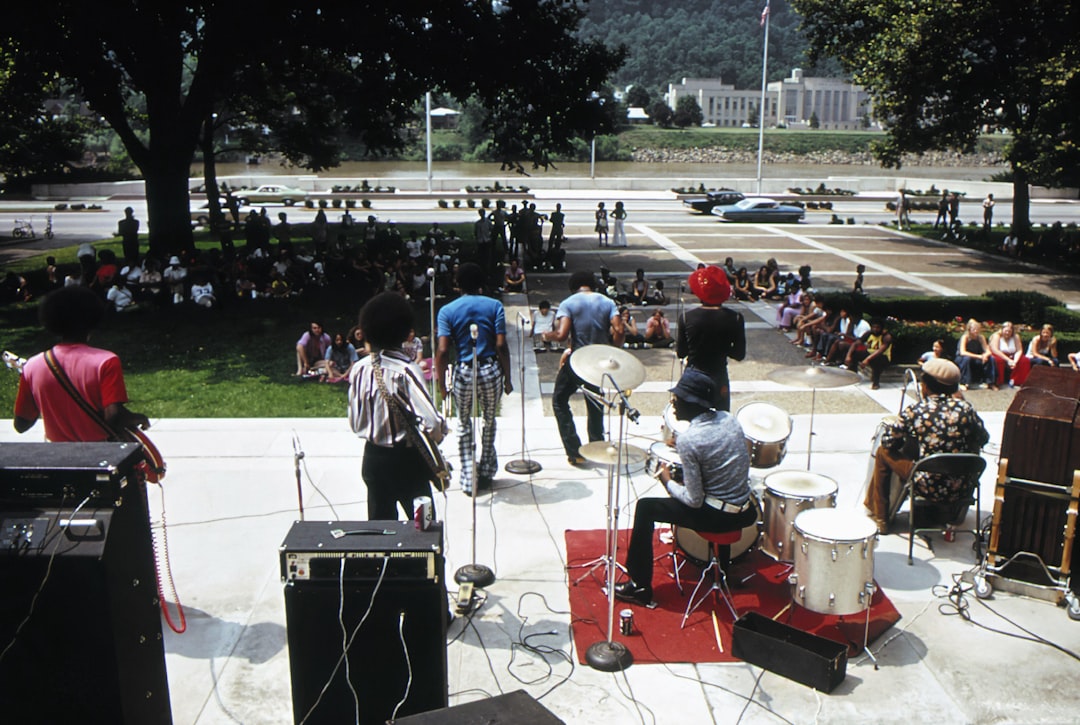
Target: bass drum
(696, 549)
(767, 429)
(834, 561)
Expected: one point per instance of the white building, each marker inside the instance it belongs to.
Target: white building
(838, 104)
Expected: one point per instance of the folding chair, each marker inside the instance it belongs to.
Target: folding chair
(969, 466)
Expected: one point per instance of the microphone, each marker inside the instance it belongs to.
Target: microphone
(474, 333)
(430, 272)
(632, 413)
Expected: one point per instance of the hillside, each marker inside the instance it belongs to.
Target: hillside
(699, 38)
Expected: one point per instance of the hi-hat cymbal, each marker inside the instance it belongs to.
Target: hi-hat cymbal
(594, 363)
(813, 377)
(607, 454)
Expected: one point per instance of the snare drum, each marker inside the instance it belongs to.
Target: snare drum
(787, 494)
(767, 429)
(834, 561)
(672, 427)
(663, 453)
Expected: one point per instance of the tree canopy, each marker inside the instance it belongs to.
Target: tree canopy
(158, 72)
(941, 73)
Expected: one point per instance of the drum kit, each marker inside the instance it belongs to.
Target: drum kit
(830, 552)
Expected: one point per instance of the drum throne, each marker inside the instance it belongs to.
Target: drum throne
(716, 569)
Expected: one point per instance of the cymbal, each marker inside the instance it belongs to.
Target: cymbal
(594, 363)
(800, 376)
(607, 454)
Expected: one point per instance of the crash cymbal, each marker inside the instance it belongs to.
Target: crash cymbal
(800, 376)
(594, 363)
(607, 454)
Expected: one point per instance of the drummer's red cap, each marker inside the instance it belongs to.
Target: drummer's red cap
(711, 285)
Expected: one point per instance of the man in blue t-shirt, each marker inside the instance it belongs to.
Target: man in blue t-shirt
(455, 324)
(585, 318)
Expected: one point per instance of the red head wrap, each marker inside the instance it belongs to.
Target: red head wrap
(711, 285)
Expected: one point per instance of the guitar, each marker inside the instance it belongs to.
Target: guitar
(152, 468)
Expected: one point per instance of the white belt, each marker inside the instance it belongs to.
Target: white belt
(725, 506)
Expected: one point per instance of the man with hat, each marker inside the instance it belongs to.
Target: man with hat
(713, 494)
(939, 423)
(710, 334)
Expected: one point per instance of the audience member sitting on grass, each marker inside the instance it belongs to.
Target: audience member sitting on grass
(174, 276)
(339, 357)
(631, 337)
(107, 271)
(658, 330)
(119, 296)
(1043, 347)
(202, 292)
(311, 350)
(974, 358)
(1008, 351)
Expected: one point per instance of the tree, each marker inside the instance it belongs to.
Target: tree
(814, 121)
(752, 115)
(638, 96)
(186, 61)
(660, 113)
(687, 112)
(942, 73)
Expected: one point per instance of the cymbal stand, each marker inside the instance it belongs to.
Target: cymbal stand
(480, 575)
(810, 437)
(522, 466)
(608, 655)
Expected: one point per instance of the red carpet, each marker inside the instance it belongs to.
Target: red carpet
(657, 636)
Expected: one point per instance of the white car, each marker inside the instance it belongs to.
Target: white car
(270, 194)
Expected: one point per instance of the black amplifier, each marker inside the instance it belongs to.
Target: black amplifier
(369, 550)
(47, 473)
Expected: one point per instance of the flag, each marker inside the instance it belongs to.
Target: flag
(765, 14)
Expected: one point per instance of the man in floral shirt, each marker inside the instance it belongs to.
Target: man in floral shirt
(939, 423)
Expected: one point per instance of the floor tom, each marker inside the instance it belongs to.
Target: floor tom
(834, 561)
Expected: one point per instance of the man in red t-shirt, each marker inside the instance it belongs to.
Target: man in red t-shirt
(72, 313)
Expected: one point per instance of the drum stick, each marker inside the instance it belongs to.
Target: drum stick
(716, 631)
(777, 615)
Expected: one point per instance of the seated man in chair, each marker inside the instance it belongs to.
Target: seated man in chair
(714, 495)
(939, 423)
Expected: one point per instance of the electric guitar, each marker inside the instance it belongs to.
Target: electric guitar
(153, 465)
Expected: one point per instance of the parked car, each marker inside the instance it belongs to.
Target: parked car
(720, 197)
(270, 194)
(760, 209)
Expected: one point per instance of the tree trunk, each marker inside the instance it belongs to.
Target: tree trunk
(168, 204)
(1021, 207)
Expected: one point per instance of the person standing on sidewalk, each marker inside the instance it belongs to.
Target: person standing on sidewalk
(456, 322)
(128, 231)
(585, 318)
(619, 215)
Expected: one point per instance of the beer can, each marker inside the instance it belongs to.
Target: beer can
(422, 512)
(626, 622)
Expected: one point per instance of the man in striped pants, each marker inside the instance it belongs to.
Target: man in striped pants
(474, 325)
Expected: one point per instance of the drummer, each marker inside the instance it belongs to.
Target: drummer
(714, 495)
(939, 423)
(710, 334)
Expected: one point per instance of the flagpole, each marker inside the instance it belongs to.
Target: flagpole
(427, 119)
(761, 107)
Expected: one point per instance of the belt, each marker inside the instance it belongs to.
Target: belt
(726, 507)
(479, 361)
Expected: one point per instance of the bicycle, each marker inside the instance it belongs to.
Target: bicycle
(48, 226)
(24, 229)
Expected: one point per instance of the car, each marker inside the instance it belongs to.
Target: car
(760, 209)
(270, 194)
(720, 197)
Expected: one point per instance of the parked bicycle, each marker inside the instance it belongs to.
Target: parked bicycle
(24, 229)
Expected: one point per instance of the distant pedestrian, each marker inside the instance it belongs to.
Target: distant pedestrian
(988, 212)
(954, 210)
(942, 210)
(128, 231)
(601, 225)
(619, 215)
(558, 228)
(903, 218)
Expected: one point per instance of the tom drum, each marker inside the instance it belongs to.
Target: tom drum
(767, 429)
(786, 495)
(672, 426)
(663, 453)
(834, 561)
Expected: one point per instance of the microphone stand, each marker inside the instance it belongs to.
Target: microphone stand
(434, 340)
(608, 655)
(480, 575)
(298, 455)
(522, 466)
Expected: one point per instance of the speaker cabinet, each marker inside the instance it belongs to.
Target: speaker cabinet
(397, 649)
(92, 649)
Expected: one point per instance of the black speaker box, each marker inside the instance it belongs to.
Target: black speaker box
(396, 622)
(92, 650)
(792, 653)
(513, 708)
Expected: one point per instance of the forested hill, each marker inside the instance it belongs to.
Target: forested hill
(672, 39)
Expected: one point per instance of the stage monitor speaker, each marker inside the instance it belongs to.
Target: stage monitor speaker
(92, 650)
(394, 615)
